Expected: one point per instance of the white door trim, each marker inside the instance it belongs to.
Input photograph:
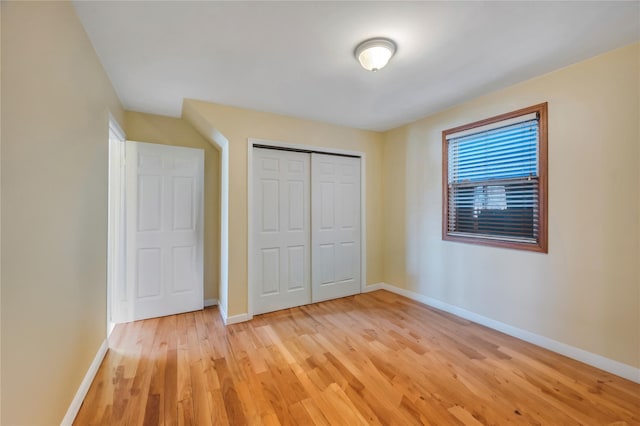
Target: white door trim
(116, 227)
(251, 142)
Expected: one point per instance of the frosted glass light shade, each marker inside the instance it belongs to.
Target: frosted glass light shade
(375, 53)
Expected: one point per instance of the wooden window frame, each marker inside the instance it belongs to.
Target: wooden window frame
(542, 244)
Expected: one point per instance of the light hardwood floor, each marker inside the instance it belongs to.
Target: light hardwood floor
(375, 358)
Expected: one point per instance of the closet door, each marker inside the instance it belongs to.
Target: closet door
(335, 229)
(281, 230)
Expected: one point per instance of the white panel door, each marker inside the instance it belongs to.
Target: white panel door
(335, 228)
(281, 233)
(165, 207)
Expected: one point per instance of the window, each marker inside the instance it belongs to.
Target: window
(495, 181)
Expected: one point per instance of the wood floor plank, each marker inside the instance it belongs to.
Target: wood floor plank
(371, 359)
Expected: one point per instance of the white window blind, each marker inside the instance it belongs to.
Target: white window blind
(493, 181)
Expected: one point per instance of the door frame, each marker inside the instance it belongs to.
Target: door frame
(266, 143)
(116, 256)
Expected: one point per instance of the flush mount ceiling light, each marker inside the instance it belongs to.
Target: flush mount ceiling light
(374, 54)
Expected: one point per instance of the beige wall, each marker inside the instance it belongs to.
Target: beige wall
(238, 125)
(55, 102)
(175, 131)
(585, 291)
(0, 221)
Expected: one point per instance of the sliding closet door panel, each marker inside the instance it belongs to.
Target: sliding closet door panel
(281, 230)
(335, 229)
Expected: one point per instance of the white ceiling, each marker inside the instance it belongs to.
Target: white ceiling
(296, 58)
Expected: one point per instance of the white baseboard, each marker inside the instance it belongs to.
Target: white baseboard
(374, 287)
(210, 302)
(595, 360)
(234, 319)
(74, 407)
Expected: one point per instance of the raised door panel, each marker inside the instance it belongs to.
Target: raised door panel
(149, 274)
(184, 203)
(149, 203)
